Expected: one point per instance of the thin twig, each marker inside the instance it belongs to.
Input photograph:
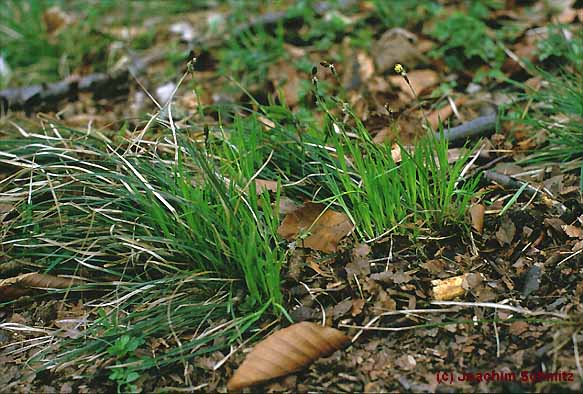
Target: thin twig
(494, 305)
(511, 182)
(469, 129)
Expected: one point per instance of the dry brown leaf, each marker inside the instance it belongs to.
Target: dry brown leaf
(406, 362)
(421, 81)
(285, 77)
(287, 205)
(566, 16)
(20, 285)
(472, 280)
(506, 232)
(294, 51)
(267, 123)
(572, 231)
(265, 184)
(425, 45)
(55, 19)
(126, 32)
(442, 114)
(518, 327)
(396, 153)
(286, 351)
(366, 69)
(316, 267)
(95, 120)
(477, 213)
(396, 46)
(359, 264)
(5, 209)
(357, 307)
(322, 232)
(383, 135)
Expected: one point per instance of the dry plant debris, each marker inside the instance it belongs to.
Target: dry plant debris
(316, 227)
(286, 351)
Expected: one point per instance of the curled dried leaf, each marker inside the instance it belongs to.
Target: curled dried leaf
(477, 213)
(20, 285)
(286, 351)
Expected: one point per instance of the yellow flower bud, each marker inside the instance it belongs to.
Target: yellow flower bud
(399, 69)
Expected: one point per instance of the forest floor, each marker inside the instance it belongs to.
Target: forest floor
(178, 182)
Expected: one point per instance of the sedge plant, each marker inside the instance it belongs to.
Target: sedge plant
(175, 248)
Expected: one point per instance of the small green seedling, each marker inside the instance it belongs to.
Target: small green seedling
(123, 374)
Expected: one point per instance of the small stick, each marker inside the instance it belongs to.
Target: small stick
(47, 96)
(470, 129)
(510, 182)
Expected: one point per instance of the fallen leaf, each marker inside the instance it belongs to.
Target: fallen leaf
(184, 30)
(443, 113)
(518, 327)
(372, 387)
(383, 135)
(55, 19)
(5, 209)
(472, 280)
(357, 307)
(359, 264)
(401, 277)
(531, 280)
(316, 267)
(566, 16)
(366, 69)
(396, 153)
(384, 301)
(556, 223)
(506, 232)
(341, 309)
(324, 230)
(385, 277)
(287, 205)
(268, 124)
(570, 230)
(304, 313)
(406, 362)
(20, 285)
(285, 77)
(126, 33)
(434, 266)
(286, 351)
(477, 213)
(396, 46)
(361, 251)
(265, 184)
